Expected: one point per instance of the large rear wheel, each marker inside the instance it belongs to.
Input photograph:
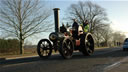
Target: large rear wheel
(44, 48)
(87, 45)
(66, 48)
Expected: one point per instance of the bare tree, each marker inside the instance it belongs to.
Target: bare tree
(98, 37)
(87, 10)
(23, 18)
(106, 34)
(118, 37)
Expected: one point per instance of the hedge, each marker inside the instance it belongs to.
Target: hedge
(8, 46)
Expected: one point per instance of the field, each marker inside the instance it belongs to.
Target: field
(27, 52)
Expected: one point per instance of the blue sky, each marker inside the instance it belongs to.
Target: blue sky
(117, 11)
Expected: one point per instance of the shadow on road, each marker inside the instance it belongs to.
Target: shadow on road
(20, 60)
(77, 55)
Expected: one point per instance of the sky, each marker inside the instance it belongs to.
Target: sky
(117, 11)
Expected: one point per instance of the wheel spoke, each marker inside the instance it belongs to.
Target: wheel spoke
(88, 47)
(65, 48)
(46, 52)
(68, 48)
(42, 51)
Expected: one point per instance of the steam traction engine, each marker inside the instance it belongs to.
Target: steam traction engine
(66, 42)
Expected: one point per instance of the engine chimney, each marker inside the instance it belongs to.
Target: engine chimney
(56, 17)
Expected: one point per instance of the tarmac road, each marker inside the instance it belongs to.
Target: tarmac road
(100, 61)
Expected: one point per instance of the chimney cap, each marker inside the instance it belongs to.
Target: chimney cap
(56, 9)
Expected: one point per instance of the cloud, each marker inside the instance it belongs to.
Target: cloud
(119, 25)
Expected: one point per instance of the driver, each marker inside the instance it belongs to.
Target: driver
(75, 27)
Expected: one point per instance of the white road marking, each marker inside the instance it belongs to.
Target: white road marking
(112, 66)
(115, 64)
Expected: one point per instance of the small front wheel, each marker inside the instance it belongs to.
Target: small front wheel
(66, 48)
(44, 48)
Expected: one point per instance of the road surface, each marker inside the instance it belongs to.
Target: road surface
(101, 61)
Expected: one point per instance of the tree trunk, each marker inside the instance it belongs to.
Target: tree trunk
(106, 43)
(98, 44)
(21, 46)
